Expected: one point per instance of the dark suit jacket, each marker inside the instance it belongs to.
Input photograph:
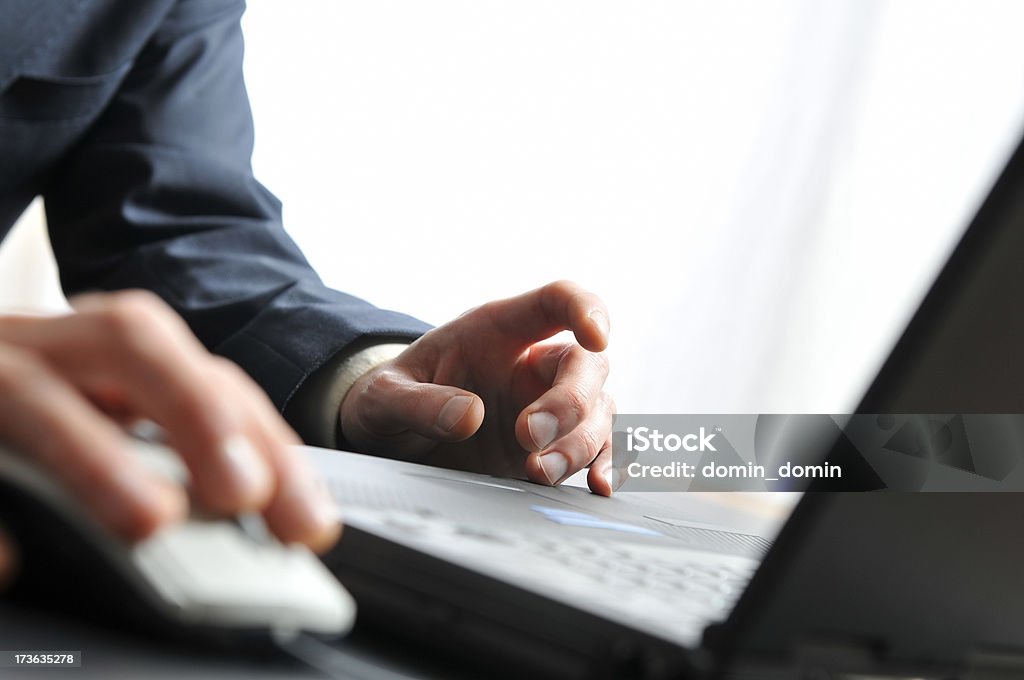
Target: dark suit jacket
(131, 118)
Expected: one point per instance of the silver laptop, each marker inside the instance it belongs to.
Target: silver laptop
(539, 582)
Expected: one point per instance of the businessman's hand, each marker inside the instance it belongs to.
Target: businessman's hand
(68, 382)
(490, 392)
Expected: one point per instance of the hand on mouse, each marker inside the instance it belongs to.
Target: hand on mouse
(67, 383)
(489, 392)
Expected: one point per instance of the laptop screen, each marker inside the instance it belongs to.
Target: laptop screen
(961, 351)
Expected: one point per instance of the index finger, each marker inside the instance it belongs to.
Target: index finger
(137, 346)
(558, 306)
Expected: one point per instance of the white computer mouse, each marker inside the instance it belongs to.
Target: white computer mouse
(206, 576)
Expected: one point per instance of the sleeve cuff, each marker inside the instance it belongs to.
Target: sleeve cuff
(315, 408)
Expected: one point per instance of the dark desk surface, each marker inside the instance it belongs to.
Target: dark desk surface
(107, 653)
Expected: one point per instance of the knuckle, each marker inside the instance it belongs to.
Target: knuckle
(381, 388)
(609, 404)
(562, 352)
(228, 370)
(127, 318)
(491, 313)
(385, 381)
(138, 316)
(145, 328)
(600, 361)
(140, 297)
(138, 303)
(485, 309)
(590, 443)
(577, 400)
(555, 295)
(561, 289)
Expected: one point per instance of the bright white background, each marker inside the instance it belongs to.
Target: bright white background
(760, 191)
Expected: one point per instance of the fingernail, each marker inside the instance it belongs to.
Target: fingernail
(453, 411)
(250, 471)
(543, 427)
(316, 519)
(554, 465)
(600, 320)
(326, 512)
(609, 476)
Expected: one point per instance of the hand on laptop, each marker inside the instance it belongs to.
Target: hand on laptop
(68, 382)
(490, 392)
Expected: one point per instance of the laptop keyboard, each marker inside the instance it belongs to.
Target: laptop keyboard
(652, 587)
(670, 591)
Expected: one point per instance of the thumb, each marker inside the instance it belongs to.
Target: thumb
(392, 405)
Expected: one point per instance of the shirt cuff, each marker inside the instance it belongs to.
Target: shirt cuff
(315, 409)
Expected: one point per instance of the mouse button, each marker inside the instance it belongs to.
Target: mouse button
(311, 597)
(212, 572)
(206, 563)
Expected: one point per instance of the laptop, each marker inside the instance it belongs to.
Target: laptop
(553, 582)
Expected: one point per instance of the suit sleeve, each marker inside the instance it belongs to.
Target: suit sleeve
(160, 195)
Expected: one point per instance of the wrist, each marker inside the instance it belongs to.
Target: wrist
(314, 411)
